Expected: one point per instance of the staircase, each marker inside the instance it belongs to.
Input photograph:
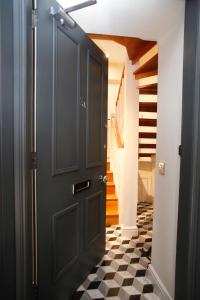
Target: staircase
(112, 214)
(146, 74)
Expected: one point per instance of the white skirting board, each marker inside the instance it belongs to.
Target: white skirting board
(129, 231)
(159, 288)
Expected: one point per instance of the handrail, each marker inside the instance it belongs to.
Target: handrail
(120, 85)
(114, 125)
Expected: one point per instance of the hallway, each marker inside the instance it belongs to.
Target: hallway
(122, 273)
(116, 83)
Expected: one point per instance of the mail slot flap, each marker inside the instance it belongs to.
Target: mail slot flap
(81, 186)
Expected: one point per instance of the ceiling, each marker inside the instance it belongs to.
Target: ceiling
(115, 52)
(146, 19)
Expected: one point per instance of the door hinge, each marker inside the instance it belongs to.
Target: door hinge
(34, 18)
(33, 160)
(180, 150)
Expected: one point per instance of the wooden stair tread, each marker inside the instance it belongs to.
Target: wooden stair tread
(147, 135)
(150, 85)
(148, 107)
(110, 183)
(150, 65)
(111, 197)
(149, 89)
(147, 146)
(112, 213)
(146, 74)
(147, 122)
(146, 154)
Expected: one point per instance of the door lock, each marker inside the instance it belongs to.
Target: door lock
(83, 102)
(102, 178)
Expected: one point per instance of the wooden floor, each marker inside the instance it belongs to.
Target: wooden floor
(112, 214)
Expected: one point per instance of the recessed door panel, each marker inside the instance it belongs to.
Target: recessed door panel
(94, 220)
(94, 109)
(66, 93)
(65, 240)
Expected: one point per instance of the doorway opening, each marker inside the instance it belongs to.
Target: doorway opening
(137, 140)
(131, 151)
(137, 71)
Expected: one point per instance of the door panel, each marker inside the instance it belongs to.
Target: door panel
(93, 217)
(94, 103)
(63, 255)
(95, 92)
(66, 121)
(71, 105)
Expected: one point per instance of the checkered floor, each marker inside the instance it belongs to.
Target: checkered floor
(121, 272)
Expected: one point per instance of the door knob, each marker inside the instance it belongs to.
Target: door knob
(102, 178)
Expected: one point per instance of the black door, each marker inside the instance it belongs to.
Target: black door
(71, 108)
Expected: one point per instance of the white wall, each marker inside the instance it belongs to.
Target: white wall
(146, 181)
(168, 140)
(131, 147)
(124, 162)
(114, 76)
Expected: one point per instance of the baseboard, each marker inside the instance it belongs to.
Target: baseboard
(159, 288)
(129, 231)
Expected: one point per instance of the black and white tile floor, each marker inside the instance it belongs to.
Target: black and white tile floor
(121, 272)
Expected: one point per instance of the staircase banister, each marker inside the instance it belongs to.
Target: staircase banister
(120, 85)
(114, 125)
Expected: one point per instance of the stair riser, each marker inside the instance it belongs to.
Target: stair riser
(112, 220)
(110, 189)
(111, 205)
(110, 177)
(112, 215)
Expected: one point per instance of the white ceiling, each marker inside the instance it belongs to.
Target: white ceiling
(147, 19)
(116, 53)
